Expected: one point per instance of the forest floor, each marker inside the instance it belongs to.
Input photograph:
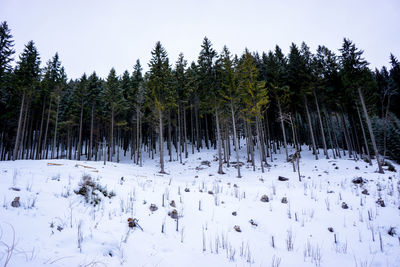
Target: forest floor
(327, 219)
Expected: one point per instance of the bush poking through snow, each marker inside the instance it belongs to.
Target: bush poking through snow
(264, 198)
(365, 192)
(133, 222)
(390, 166)
(92, 191)
(380, 202)
(173, 214)
(392, 231)
(358, 180)
(252, 222)
(283, 179)
(15, 203)
(153, 207)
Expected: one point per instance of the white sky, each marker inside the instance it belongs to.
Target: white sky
(98, 34)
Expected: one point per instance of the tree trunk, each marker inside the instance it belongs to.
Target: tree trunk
(328, 126)
(346, 136)
(23, 132)
(179, 134)
(111, 149)
(283, 130)
(118, 142)
(235, 141)
(196, 114)
(364, 136)
(138, 146)
(385, 130)
(160, 142)
(260, 145)
(47, 128)
(55, 128)
(321, 125)
(78, 156)
(206, 131)
(220, 171)
(371, 133)
(16, 146)
(310, 127)
(140, 157)
(90, 154)
(169, 136)
(39, 143)
(184, 132)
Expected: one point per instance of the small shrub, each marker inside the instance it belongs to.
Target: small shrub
(92, 191)
(264, 198)
(390, 166)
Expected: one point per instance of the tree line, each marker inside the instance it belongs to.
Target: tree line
(333, 103)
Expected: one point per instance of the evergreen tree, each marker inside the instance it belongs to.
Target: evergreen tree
(94, 88)
(353, 71)
(254, 96)
(208, 91)
(158, 85)
(27, 75)
(231, 94)
(115, 101)
(6, 50)
(180, 79)
(136, 97)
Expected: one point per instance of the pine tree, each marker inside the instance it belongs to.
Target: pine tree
(180, 79)
(27, 75)
(208, 88)
(94, 88)
(137, 99)
(6, 49)
(158, 85)
(115, 101)
(254, 96)
(353, 70)
(231, 94)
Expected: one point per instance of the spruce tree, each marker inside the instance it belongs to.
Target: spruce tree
(27, 75)
(158, 84)
(353, 70)
(230, 93)
(254, 95)
(115, 102)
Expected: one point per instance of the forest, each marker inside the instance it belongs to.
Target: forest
(332, 102)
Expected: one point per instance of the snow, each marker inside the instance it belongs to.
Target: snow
(205, 237)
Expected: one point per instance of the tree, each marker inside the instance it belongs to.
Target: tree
(158, 85)
(94, 87)
(354, 69)
(209, 90)
(115, 101)
(81, 97)
(6, 49)
(254, 95)
(182, 98)
(137, 98)
(27, 75)
(277, 82)
(231, 94)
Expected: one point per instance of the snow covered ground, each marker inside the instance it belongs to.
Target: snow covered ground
(327, 221)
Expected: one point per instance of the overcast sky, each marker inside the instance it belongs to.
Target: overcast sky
(98, 34)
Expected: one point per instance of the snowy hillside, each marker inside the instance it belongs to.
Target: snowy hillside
(328, 219)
